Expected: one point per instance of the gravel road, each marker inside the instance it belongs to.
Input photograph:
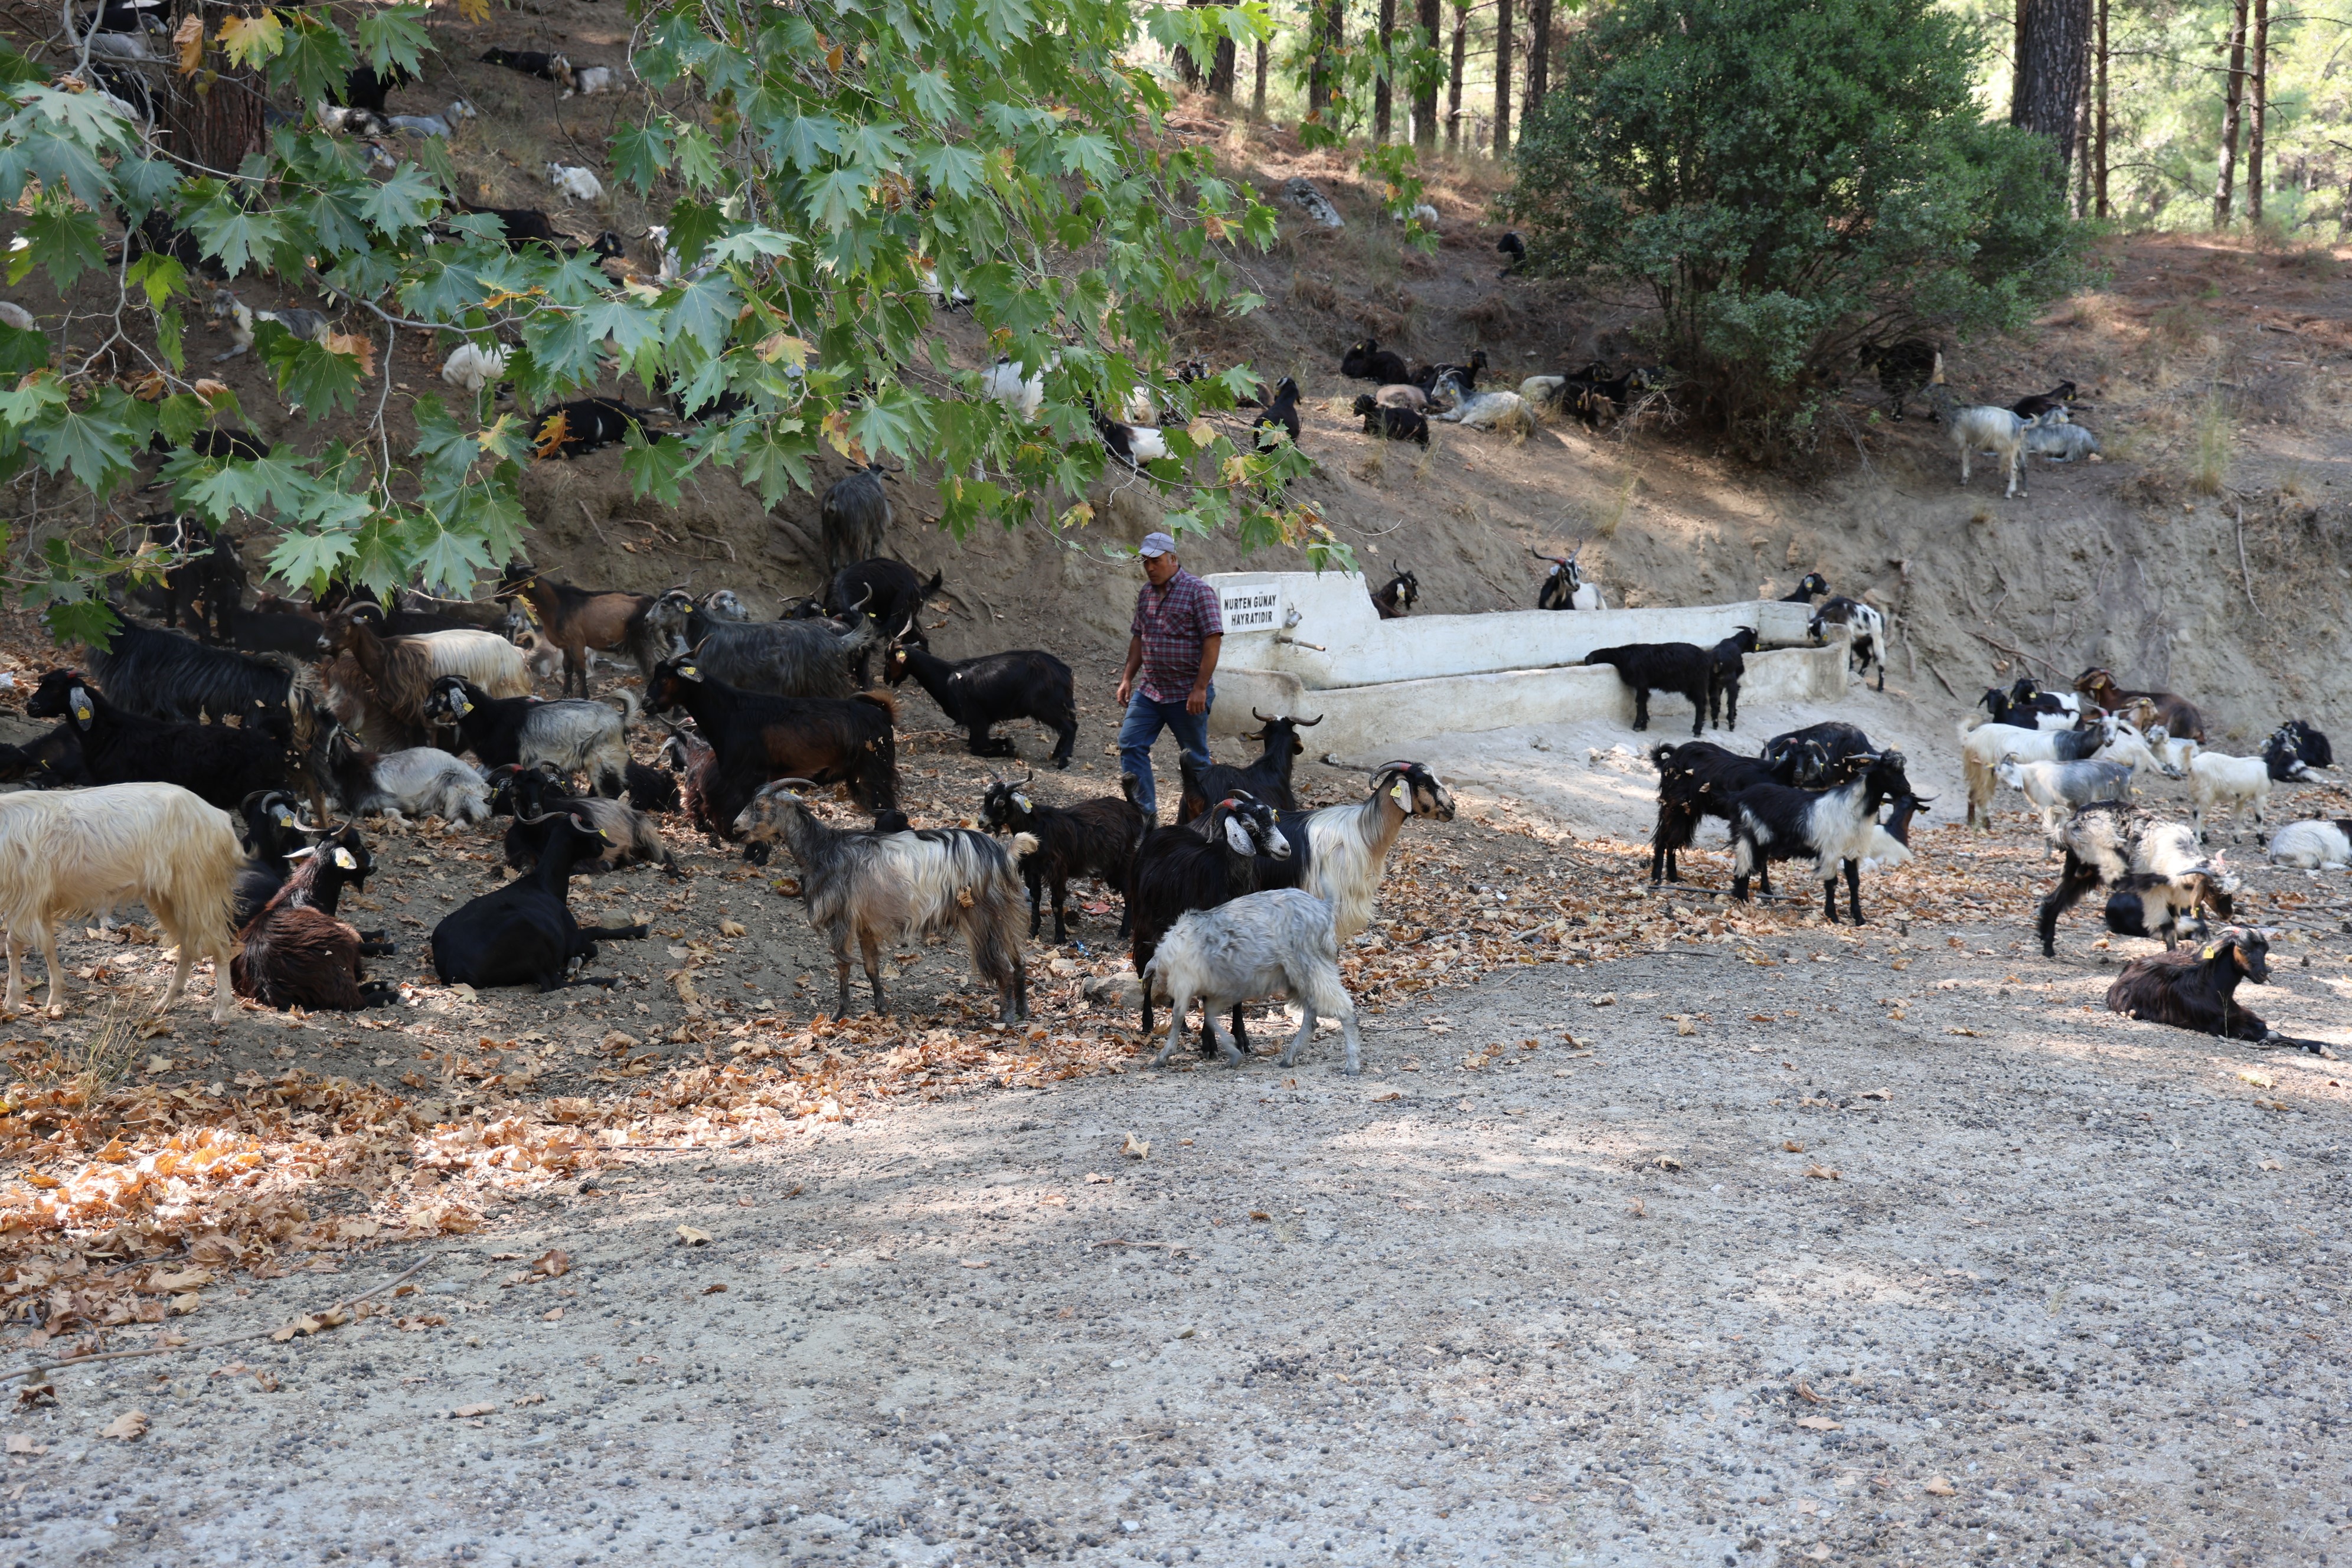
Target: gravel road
(1991, 1275)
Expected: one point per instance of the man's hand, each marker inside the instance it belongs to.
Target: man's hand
(1197, 703)
(1125, 689)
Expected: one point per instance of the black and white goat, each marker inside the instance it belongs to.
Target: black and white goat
(575, 735)
(2149, 905)
(1838, 827)
(2108, 844)
(1564, 587)
(1684, 668)
(1395, 598)
(872, 889)
(1699, 779)
(1093, 838)
(534, 793)
(1277, 943)
(1867, 641)
(1806, 755)
(298, 952)
(2288, 752)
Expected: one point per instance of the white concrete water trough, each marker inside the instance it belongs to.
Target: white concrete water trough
(1302, 643)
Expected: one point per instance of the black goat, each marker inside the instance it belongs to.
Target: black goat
(53, 761)
(1392, 423)
(157, 235)
(757, 737)
(689, 756)
(1281, 414)
(523, 933)
(2283, 752)
(1512, 246)
(2313, 745)
(2198, 990)
(1178, 870)
(649, 789)
(2022, 705)
(1835, 826)
(164, 675)
(295, 953)
(1904, 369)
(591, 424)
(977, 694)
(530, 62)
(888, 593)
(1395, 598)
(2039, 403)
(220, 762)
(524, 226)
(270, 826)
(535, 793)
(1093, 838)
(1466, 376)
(1367, 360)
(365, 87)
(207, 582)
(1697, 780)
(1266, 779)
(1730, 667)
(1806, 592)
(1806, 755)
(1678, 666)
(852, 516)
(217, 445)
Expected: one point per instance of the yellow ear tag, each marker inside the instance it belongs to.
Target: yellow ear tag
(343, 858)
(1397, 790)
(79, 703)
(2211, 949)
(462, 706)
(1022, 801)
(689, 671)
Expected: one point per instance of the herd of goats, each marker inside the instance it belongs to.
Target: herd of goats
(217, 779)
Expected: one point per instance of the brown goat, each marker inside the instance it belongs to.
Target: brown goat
(2179, 715)
(401, 670)
(575, 619)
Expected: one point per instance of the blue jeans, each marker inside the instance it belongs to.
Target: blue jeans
(1145, 719)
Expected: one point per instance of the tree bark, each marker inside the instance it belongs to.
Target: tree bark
(1329, 21)
(2233, 96)
(1453, 81)
(1257, 89)
(214, 118)
(2099, 121)
(2046, 88)
(1424, 94)
(1383, 93)
(1538, 66)
(1502, 79)
(2258, 75)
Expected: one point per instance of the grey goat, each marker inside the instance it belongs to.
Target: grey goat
(876, 888)
(1261, 944)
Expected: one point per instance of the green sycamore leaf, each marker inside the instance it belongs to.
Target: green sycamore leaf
(66, 242)
(22, 352)
(640, 153)
(750, 244)
(141, 184)
(394, 35)
(704, 311)
(692, 226)
(955, 172)
(698, 159)
(835, 199)
(80, 622)
(315, 58)
(404, 200)
(158, 276)
(316, 378)
(232, 233)
(934, 97)
(380, 556)
(311, 559)
(656, 465)
(180, 415)
(94, 442)
(447, 558)
(807, 141)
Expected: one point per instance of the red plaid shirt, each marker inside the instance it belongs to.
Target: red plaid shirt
(1173, 621)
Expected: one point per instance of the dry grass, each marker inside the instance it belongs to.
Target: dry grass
(2215, 439)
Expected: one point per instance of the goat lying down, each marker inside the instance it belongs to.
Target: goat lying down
(2315, 846)
(1277, 943)
(2199, 990)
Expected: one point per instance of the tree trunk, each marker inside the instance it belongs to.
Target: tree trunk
(1453, 81)
(1257, 89)
(1425, 89)
(2099, 121)
(2234, 96)
(2080, 206)
(2258, 79)
(1188, 69)
(212, 121)
(1329, 21)
(1383, 93)
(1502, 79)
(2046, 88)
(1538, 66)
(1222, 70)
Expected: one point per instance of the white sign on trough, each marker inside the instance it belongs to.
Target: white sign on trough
(1302, 643)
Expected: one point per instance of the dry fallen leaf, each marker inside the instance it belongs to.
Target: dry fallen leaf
(551, 1314)
(1669, 1162)
(1097, 1180)
(731, 928)
(2272, 1166)
(975, 1262)
(267, 1382)
(552, 1264)
(1823, 1173)
(20, 1444)
(1260, 1214)
(483, 1409)
(1805, 1392)
(2259, 1080)
(529, 1399)
(1818, 1424)
(1386, 1095)
(713, 1288)
(1685, 1026)
(693, 1237)
(189, 38)
(129, 1427)
(1790, 1146)
(1136, 1148)
(1939, 1486)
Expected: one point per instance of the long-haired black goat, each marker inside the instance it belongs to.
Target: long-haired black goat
(164, 675)
(978, 694)
(1093, 838)
(271, 824)
(523, 933)
(1697, 780)
(223, 763)
(2198, 990)
(869, 889)
(1838, 827)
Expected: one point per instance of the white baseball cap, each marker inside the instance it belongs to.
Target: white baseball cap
(1156, 544)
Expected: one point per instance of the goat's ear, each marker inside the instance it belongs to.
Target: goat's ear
(344, 858)
(1237, 837)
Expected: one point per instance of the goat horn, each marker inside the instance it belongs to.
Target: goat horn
(1308, 724)
(1262, 718)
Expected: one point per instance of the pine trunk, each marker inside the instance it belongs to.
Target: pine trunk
(2053, 40)
(1323, 69)
(2233, 97)
(1502, 79)
(1257, 89)
(1453, 81)
(1538, 66)
(1424, 95)
(2099, 121)
(2258, 73)
(1383, 93)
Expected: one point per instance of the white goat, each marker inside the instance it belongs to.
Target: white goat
(1260, 944)
(2228, 782)
(1978, 427)
(2060, 442)
(442, 124)
(1492, 411)
(2317, 844)
(425, 781)
(474, 367)
(1348, 846)
(74, 853)
(1024, 394)
(14, 315)
(583, 82)
(578, 184)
